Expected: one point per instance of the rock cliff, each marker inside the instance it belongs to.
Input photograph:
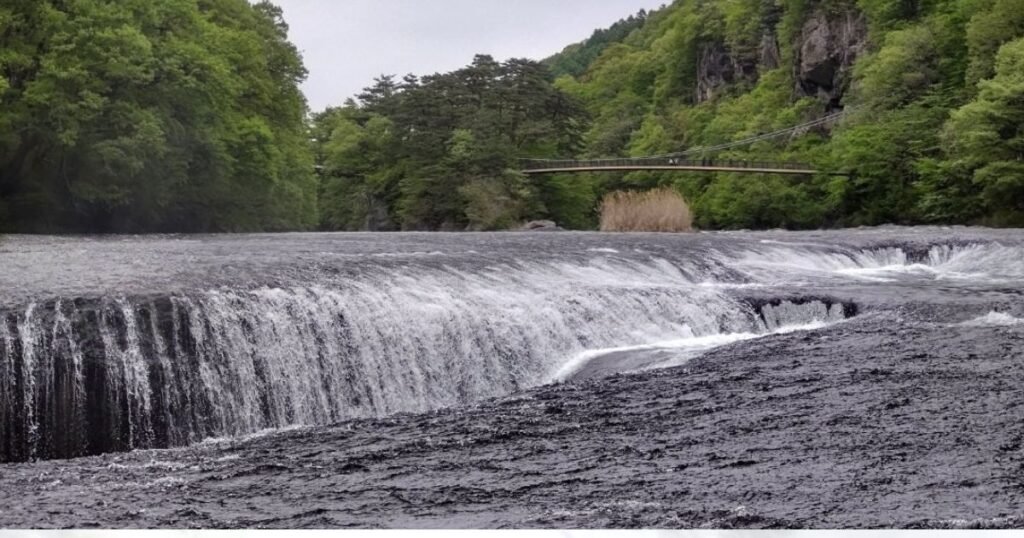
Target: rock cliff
(827, 45)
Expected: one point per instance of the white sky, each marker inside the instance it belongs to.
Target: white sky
(346, 43)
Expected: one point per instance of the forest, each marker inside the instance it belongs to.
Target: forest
(186, 115)
(439, 153)
(933, 92)
(142, 116)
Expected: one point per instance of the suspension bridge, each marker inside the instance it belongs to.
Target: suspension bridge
(696, 159)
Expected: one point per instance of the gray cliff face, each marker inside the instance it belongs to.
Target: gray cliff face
(769, 56)
(825, 50)
(718, 67)
(715, 71)
(829, 44)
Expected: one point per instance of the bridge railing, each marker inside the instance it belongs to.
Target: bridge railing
(545, 164)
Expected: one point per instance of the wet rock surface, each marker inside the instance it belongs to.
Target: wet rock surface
(541, 226)
(903, 409)
(903, 418)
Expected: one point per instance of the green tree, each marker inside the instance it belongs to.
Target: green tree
(149, 116)
(985, 140)
(438, 153)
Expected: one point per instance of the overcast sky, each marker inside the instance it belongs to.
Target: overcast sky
(345, 43)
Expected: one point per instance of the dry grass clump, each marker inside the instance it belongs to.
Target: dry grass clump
(658, 210)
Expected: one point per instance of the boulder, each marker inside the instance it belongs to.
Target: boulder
(540, 226)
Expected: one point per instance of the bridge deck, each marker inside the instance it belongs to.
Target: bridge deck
(623, 165)
(792, 171)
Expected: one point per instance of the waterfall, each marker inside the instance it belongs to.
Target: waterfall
(86, 375)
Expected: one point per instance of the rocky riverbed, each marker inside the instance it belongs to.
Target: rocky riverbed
(841, 379)
(900, 419)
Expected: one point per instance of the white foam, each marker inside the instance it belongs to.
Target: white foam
(888, 273)
(989, 263)
(265, 432)
(998, 319)
(731, 285)
(683, 349)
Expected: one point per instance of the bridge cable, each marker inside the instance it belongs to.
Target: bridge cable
(746, 141)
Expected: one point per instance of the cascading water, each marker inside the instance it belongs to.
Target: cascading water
(116, 372)
(988, 261)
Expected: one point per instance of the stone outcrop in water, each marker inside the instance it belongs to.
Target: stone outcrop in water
(541, 226)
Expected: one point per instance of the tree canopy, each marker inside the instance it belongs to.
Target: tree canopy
(135, 115)
(186, 115)
(438, 152)
(932, 90)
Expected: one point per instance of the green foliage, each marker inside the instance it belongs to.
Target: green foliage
(570, 199)
(438, 153)
(934, 135)
(739, 201)
(903, 70)
(880, 152)
(147, 116)
(496, 203)
(185, 115)
(985, 142)
(993, 22)
(575, 59)
(889, 14)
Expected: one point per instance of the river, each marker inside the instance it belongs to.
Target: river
(146, 343)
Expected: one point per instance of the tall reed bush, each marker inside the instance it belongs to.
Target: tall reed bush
(658, 210)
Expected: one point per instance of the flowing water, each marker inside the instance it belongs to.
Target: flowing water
(117, 343)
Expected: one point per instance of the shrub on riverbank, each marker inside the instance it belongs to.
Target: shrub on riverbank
(658, 210)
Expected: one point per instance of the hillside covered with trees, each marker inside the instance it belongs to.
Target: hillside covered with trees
(933, 132)
(185, 115)
(134, 115)
(438, 153)
(933, 91)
